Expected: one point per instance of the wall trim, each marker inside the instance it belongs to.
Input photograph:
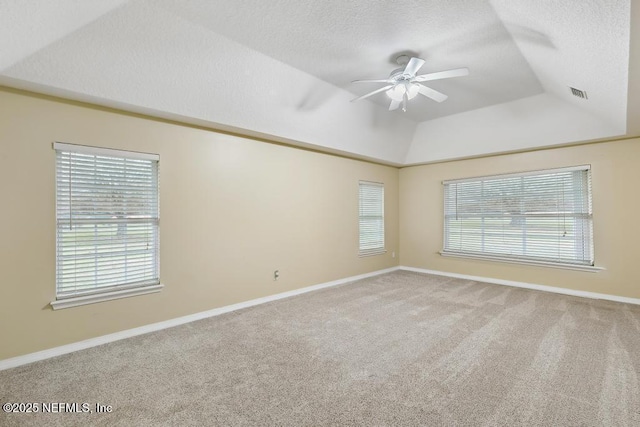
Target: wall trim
(116, 336)
(576, 267)
(544, 288)
(104, 296)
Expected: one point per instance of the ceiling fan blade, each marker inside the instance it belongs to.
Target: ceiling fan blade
(404, 102)
(372, 81)
(413, 66)
(382, 89)
(433, 94)
(394, 105)
(458, 72)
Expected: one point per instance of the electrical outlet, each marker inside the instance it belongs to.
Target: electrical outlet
(393, 254)
(276, 274)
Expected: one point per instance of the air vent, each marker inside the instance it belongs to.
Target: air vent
(579, 93)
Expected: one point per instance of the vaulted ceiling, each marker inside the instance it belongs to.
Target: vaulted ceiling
(282, 70)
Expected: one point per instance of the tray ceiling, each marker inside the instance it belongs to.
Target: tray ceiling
(282, 70)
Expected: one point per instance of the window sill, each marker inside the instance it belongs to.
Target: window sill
(372, 252)
(589, 268)
(106, 296)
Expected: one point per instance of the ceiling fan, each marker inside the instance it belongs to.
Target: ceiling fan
(403, 83)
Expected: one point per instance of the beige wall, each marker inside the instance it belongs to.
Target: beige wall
(615, 168)
(233, 210)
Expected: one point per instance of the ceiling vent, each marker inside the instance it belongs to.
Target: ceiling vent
(579, 93)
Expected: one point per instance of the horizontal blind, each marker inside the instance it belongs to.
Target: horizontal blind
(371, 198)
(543, 216)
(107, 221)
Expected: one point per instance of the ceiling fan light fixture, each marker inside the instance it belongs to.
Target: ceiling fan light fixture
(412, 90)
(404, 84)
(397, 92)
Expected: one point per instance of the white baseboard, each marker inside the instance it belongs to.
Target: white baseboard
(545, 288)
(93, 342)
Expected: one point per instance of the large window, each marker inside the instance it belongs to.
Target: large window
(542, 217)
(371, 218)
(107, 217)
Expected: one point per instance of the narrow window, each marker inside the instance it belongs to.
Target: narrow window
(371, 218)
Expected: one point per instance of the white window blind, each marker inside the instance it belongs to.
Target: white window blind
(542, 216)
(107, 220)
(371, 218)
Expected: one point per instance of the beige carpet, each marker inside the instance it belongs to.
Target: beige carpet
(399, 349)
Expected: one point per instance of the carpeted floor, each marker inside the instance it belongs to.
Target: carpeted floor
(399, 349)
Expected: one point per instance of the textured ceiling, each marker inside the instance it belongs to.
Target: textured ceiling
(282, 69)
(340, 41)
(589, 49)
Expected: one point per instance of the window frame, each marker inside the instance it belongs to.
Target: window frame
(522, 259)
(116, 291)
(379, 250)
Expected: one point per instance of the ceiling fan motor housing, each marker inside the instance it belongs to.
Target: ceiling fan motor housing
(398, 75)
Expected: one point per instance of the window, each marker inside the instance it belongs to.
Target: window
(540, 217)
(371, 218)
(107, 214)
